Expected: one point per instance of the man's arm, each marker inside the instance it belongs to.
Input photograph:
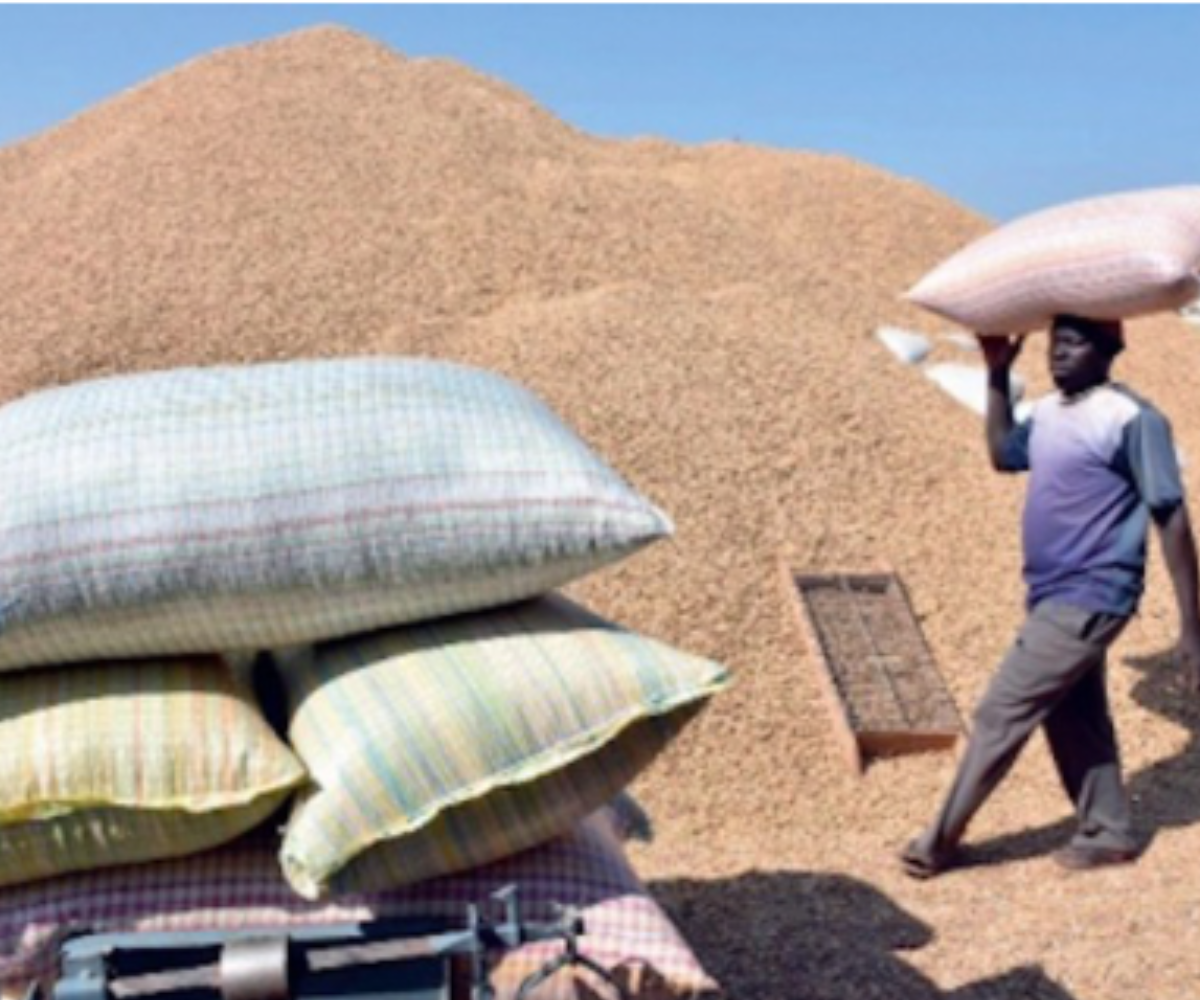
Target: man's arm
(1179, 552)
(999, 353)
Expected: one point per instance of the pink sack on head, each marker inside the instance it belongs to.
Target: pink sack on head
(1112, 257)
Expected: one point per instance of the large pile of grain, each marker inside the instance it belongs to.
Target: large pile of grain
(703, 316)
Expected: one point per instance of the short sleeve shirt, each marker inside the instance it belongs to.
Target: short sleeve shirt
(1099, 463)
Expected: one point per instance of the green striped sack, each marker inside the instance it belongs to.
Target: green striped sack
(445, 745)
(124, 762)
(279, 504)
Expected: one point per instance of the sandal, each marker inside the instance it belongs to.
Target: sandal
(922, 864)
(1081, 857)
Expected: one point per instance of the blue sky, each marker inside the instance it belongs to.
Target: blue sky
(1006, 108)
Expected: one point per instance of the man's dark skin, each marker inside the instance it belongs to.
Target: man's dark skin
(1079, 363)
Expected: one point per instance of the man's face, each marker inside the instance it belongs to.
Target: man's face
(1076, 363)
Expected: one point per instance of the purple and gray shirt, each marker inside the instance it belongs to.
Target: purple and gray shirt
(1100, 463)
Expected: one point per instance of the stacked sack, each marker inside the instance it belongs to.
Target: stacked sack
(1107, 258)
(392, 530)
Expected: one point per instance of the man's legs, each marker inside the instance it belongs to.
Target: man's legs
(1056, 647)
(1084, 743)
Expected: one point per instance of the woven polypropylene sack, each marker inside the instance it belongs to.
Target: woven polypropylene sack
(1113, 257)
(239, 888)
(123, 762)
(441, 746)
(270, 505)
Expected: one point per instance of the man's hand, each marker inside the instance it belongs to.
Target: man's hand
(1000, 352)
(1189, 659)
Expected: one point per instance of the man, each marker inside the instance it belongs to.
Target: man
(1102, 465)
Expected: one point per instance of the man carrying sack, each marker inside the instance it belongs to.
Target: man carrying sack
(1102, 465)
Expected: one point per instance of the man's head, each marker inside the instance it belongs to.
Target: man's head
(1082, 351)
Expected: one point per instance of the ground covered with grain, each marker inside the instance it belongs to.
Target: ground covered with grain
(703, 316)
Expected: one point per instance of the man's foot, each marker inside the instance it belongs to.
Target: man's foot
(922, 862)
(1081, 857)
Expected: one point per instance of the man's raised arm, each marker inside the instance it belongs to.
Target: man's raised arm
(999, 353)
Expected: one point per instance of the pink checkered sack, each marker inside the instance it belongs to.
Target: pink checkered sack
(240, 887)
(1113, 257)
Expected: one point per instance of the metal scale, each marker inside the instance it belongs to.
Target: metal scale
(390, 959)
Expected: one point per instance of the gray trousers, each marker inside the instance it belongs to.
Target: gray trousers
(1054, 676)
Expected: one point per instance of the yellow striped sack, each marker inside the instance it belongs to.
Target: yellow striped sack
(115, 763)
(1112, 257)
(437, 747)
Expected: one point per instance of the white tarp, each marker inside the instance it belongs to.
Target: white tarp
(963, 341)
(968, 384)
(911, 348)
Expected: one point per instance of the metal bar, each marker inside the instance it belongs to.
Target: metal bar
(404, 949)
(202, 977)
